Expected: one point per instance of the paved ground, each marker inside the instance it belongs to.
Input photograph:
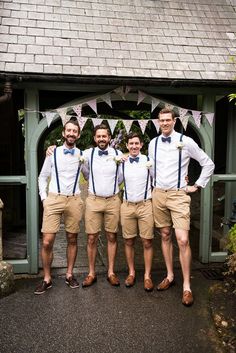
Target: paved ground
(107, 319)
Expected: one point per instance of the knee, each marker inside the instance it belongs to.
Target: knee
(92, 240)
(129, 242)
(147, 243)
(47, 245)
(183, 243)
(72, 241)
(166, 236)
(111, 238)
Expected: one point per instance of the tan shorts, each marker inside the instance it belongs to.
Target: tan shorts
(102, 209)
(171, 208)
(54, 206)
(137, 218)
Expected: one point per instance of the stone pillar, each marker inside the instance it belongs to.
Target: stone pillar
(7, 284)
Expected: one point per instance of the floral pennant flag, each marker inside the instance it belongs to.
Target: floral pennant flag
(120, 92)
(96, 121)
(182, 112)
(169, 106)
(127, 90)
(141, 96)
(77, 109)
(62, 113)
(107, 99)
(155, 103)
(143, 124)
(197, 117)
(112, 123)
(127, 125)
(156, 124)
(81, 121)
(93, 104)
(49, 117)
(210, 118)
(184, 121)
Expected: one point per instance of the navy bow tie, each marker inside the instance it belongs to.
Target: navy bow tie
(166, 139)
(135, 159)
(101, 153)
(69, 151)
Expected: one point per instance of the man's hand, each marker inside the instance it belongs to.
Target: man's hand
(191, 189)
(50, 150)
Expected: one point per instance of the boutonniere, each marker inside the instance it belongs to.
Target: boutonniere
(116, 159)
(179, 145)
(82, 159)
(149, 164)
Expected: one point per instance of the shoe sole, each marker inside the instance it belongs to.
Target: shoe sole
(148, 289)
(89, 285)
(74, 287)
(39, 293)
(171, 285)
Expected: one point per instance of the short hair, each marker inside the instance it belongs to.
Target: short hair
(74, 122)
(132, 135)
(167, 111)
(101, 127)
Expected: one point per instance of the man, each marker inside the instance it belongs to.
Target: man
(136, 209)
(103, 202)
(63, 170)
(171, 153)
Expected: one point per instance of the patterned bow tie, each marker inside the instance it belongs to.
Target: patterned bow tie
(101, 153)
(135, 159)
(71, 151)
(166, 139)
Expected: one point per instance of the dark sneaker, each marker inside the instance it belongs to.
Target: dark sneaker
(42, 287)
(72, 282)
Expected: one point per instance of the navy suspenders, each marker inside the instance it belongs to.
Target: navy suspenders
(180, 156)
(57, 175)
(92, 175)
(155, 162)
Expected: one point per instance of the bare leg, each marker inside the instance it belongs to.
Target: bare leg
(148, 255)
(71, 252)
(182, 237)
(111, 251)
(167, 250)
(129, 253)
(92, 252)
(47, 254)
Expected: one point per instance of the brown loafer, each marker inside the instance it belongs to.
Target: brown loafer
(113, 280)
(165, 284)
(130, 281)
(148, 285)
(187, 298)
(89, 280)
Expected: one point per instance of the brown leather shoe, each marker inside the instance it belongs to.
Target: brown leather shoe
(148, 285)
(165, 284)
(113, 280)
(130, 281)
(187, 298)
(89, 280)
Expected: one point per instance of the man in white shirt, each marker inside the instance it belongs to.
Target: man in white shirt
(103, 202)
(136, 209)
(171, 153)
(62, 199)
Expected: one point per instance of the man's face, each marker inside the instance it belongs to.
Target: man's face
(70, 134)
(167, 123)
(134, 146)
(102, 138)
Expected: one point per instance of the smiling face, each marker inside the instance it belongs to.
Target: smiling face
(102, 138)
(167, 123)
(70, 133)
(134, 146)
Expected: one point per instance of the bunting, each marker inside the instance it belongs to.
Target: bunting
(143, 124)
(127, 125)
(156, 124)
(97, 121)
(62, 113)
(197, 117)
(78, 109)
(112, 124)
(210, 118)
(155, 103)
(93, 104)
(49, 116)
(141, 97)
(81, 121)
(107, 99)
(184, 121)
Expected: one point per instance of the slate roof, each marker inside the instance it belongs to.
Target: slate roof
(129, 38)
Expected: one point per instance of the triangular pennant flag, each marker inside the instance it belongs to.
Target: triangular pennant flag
(155, 103)
(112, 123)
(156, 124)
(96, 121)
(197, 117)
(182, 112)
(107, 99)
(62, 113)
(210, 118)
(81, 121)
(93, 104)
(169, 106)
(143, 124)
(184, 121)
(141, 96)
(49, 117)
(120, 92)
(127, 90)
(77, 109)
(127, 125)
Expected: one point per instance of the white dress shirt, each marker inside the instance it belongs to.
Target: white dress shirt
(104, 172)
(67, 166)
(167, 161)
(135, 177)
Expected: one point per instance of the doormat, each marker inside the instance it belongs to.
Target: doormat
(213, 273)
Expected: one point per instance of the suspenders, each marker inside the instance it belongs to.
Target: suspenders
(57, 175)
(92, 175)
(179, 169)
(125, 189)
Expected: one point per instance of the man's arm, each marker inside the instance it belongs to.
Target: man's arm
(44, 177)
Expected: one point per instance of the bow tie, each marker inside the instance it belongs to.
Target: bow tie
(166, 139)
(135, 159)
(71, 151)
(100, 153)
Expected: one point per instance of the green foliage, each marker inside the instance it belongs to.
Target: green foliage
(231, 97)
(231, 246)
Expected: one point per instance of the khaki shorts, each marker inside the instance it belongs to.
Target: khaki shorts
(171, 208)
(54, 206)
(137, 218)
(102, 209)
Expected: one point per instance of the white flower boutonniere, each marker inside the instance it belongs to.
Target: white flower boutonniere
(179, 145)
(149, 164)
(82, 159)
(118, 159)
